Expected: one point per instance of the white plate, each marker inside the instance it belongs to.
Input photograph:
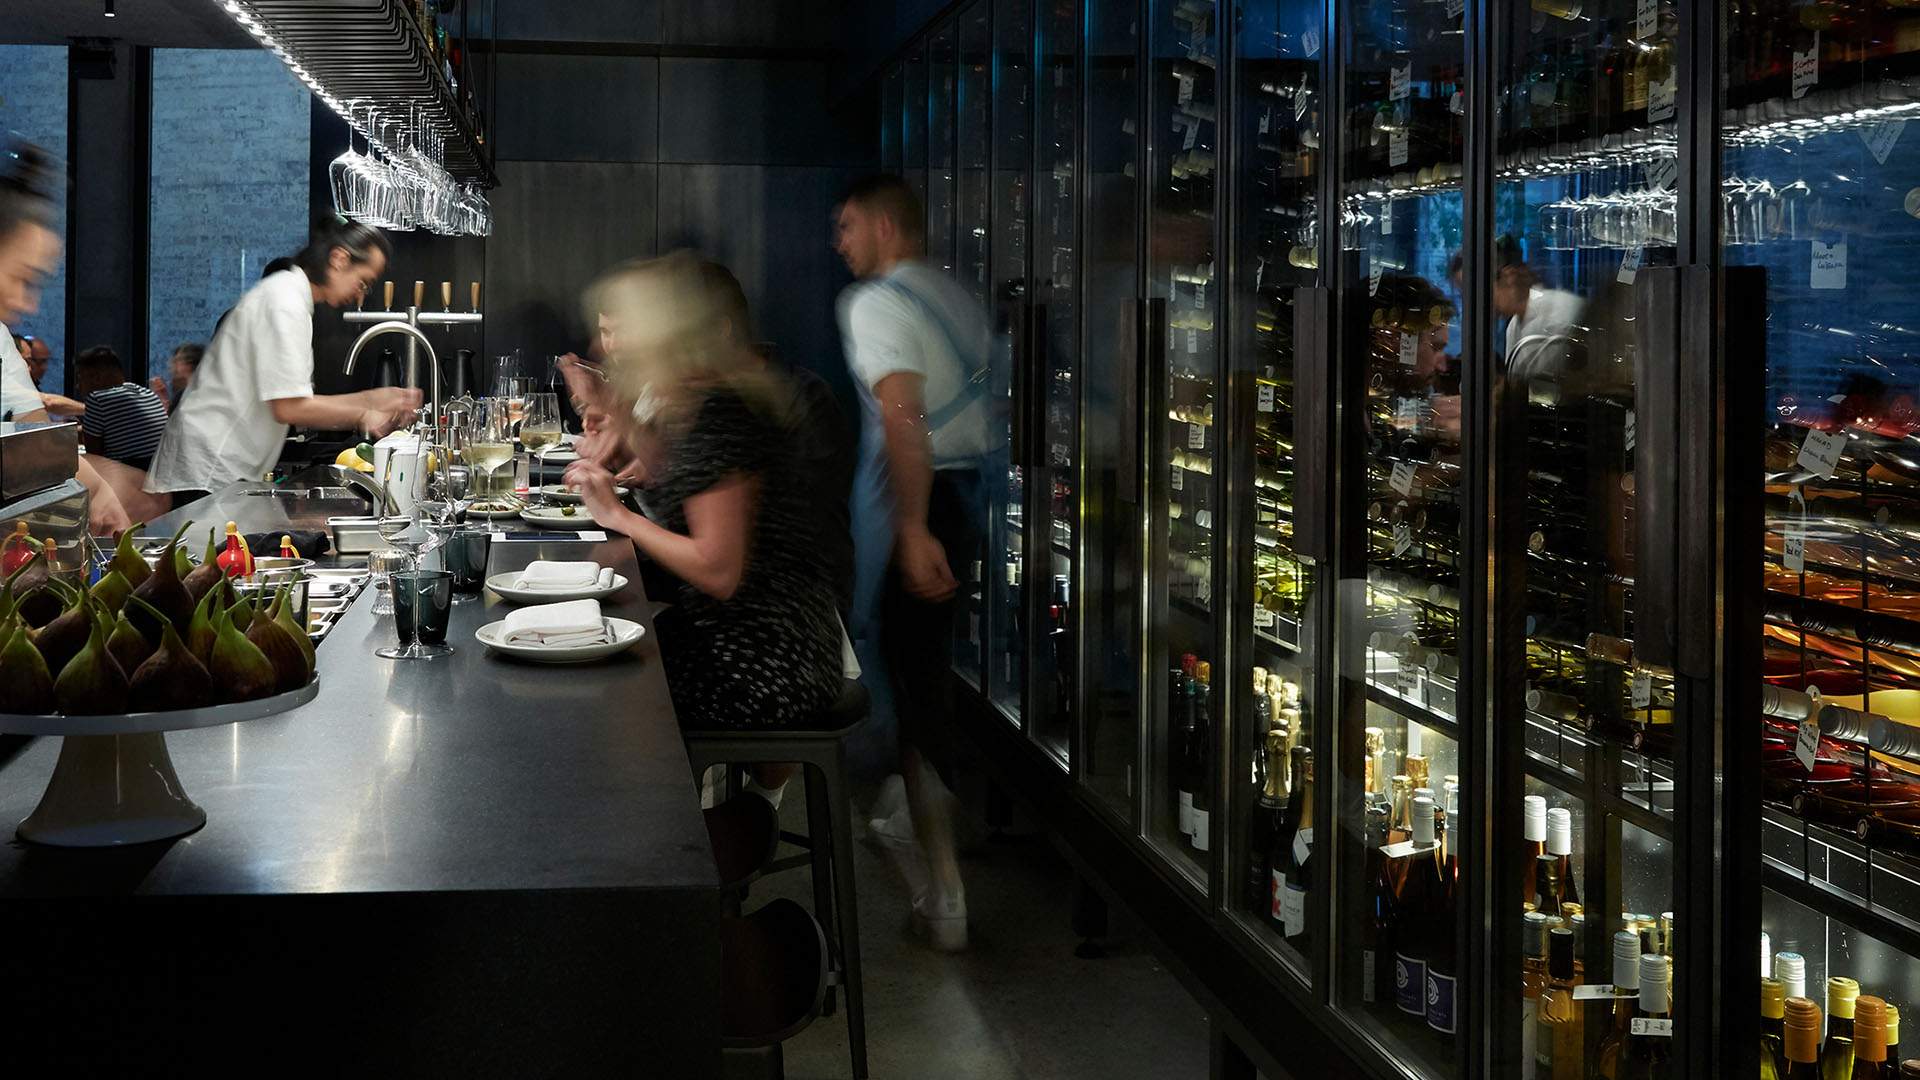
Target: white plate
(548, 517)
(625, 634)
(503, 585)
(492, 515)
(556, 457)
(561, 494)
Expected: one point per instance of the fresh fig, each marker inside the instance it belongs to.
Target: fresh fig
(92, 684)
(26, 683)
(33, 597)
(290, 670)
(63, 638)
(200, 632)
(283, 613)
(112, 590)
(172, 678)
(130, 647)
(182, 565)
(164, 591)
(240, 671)
(206, 575)
(133, 569)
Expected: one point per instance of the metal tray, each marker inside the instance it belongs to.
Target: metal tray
(147, 722)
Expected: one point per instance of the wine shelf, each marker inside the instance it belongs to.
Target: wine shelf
(1412, 711)
(1829, 870)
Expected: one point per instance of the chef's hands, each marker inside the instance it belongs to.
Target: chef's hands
(388, 408)
(923, 565)
(106, 516)
(595, 485)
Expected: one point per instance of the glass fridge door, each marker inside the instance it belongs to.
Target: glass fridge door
(1406, 494)
(1056, 355)
(1113, 507)
(1183, 440)
(1821, 247)
(1015, 550)
(1277, 216)
(892, 127)
(913, 116)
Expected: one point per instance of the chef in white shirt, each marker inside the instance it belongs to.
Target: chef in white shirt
(1543, 325)
(29, 253)
(256, 378)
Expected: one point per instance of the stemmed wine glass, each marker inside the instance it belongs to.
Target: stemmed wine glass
(489, 448)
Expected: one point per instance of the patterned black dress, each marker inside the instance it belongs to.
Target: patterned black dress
(769, 656)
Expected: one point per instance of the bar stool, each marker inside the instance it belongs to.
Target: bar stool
(773, 982)
(821, 748)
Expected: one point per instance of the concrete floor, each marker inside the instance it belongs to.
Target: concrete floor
(1018, 1004)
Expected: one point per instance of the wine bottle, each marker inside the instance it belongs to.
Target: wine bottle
(1267, 821)
(1418, 890)
(1533, 983)
(1842, 992)
(1870, 1039)
(1376, 946)
(1836, 1054)
(1546, 877)
(1293, 904)
(1773, 1011)
(1610, 1062)
(1561, 1040)
(1443, 963)
(1802, 1038)
(1179, 761)
(1650, 1046)
(1281, 856)
(1893, 1034)
(1791, 969)
(1560, 846)
(1200, 767)
(1534, 840)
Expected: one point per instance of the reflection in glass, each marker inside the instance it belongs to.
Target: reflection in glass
(1012, 162)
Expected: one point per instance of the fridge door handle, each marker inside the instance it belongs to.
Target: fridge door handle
(1312, 427)
(1658, 464)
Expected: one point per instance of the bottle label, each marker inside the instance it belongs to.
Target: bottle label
(1293, 910)
(1202, 835)
(1656, 1026)
(1275, 904)
(1529, 1038)
(1369, 990)
(1410, 984)
(1186, 813)
(1597, 991)
(1440, 1002)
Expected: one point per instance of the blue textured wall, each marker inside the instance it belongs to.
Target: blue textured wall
(33, 107)
(229, 185)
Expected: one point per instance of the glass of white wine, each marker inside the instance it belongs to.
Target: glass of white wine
(540, 432)
(489, 451)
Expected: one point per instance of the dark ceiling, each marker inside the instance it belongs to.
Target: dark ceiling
(176, 24)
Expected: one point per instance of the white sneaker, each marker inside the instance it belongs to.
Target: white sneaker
(941, 920)
(891, 800)
(895, 837)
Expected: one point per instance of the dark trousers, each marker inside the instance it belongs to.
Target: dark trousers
(916, 637)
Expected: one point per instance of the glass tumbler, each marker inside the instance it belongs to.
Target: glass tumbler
(382, 565)
(466, 554)
(422, 602)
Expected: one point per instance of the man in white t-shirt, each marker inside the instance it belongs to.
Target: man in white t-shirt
(256, 378)
(918, 347)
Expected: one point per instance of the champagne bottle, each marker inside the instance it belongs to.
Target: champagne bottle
(1650, 1048)
(1562, 1036)
(1870, 1039)
(1180, 760)
(1200, 767)
(1267, 823)
(1293, 905)
(1533, 983)
(1534, 834)
(1802, 1038)
(1443, 967)
(1281, 857)
(1842, 992)
(1417, 895)
(1610, 1062)
(1376, 947)
(1560, 846)
(1773, 1011)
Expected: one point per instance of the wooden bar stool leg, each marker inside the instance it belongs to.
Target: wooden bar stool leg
(820, 849)
(841, 810)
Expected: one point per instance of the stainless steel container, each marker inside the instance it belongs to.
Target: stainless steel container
(35, 457)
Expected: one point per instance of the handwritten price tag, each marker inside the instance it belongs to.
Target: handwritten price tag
(1196, 437)
(1456, 8)
(1662, 172)
(1642, 690)
(1596, 992)
(1661, 97)
(1402, 478)
(1310, 41)
(1807, 742)
(1806, 71)
(1386, 218)
(1409, 350)
(1397, 147)
(1179, 481)
(1821, 452)
(1263, 398)
(1399, 82)
(1793, 553)
(1647, 1025)
(1374, 270)
(1646, 18)
(1402, 538)
(1881, 137)
(1829, 265)
(1632, 430)
(1630, 266)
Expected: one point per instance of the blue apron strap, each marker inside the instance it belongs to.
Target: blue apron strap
(870, 517)
(972, 389)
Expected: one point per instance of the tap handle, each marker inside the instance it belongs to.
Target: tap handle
(446, 296)
(473, 297)
(419, 292)
(387, 303)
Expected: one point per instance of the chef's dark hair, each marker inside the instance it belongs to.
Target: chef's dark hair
(892, 197)
(1506, 255)
(360, 242)
(25, 177)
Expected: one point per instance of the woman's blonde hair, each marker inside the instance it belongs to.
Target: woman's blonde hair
(672, 330)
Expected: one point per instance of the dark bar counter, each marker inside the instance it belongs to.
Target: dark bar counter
(468, 864)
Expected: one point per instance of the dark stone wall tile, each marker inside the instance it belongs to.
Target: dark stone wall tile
(577, 108)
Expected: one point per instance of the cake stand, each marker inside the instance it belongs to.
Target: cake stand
(114, 783)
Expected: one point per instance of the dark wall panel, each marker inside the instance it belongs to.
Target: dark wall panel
(785, 24)
(622, 21)
(557, 225)
(107, 245)
(771, 227)
(758, 112)
(578, 108)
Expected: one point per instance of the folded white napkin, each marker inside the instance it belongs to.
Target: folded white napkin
(576, 622)
(544, 576)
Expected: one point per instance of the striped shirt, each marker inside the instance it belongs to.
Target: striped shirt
(125, 423)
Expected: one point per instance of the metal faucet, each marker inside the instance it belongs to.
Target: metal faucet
(400, 327)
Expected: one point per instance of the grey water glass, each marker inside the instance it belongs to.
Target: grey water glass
(466, 555)
(422, 602)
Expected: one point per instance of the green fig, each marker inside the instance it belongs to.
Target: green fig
(172, 678)
(112, 590)
(200, 632)
(26, 684)
(128, 645)
(241, 612)
(92, 684)
(127, 560)
(283, 611)
(182, 565)
(33, 595)
(205, 576)
(62, 639)
(289, 663)
(240, 671)
(164, 591)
